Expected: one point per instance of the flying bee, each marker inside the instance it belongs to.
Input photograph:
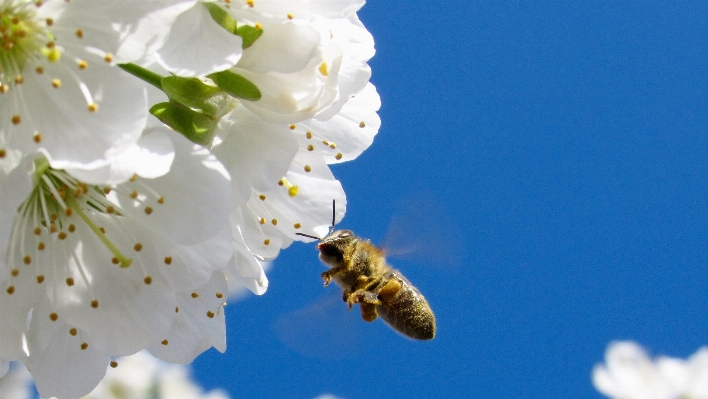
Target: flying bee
(360, 268)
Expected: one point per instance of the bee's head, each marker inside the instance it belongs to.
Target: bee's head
(333, 246)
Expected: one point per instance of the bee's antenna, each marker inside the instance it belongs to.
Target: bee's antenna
(333, 213)
(309, 236)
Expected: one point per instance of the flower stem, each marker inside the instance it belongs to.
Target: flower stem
(144, 74)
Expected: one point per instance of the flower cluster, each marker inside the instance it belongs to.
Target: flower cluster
(629, 373)
(152, 155)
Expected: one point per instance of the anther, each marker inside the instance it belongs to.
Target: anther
(27, 259)
(73, 331)
(165, 342)
(40, 246)
(262, 197)
(323, 69)
(114, 364)
(110, 209)
(134, 194)
(79, 33)
(11, 290)
(108, 58)
(19, 79)
(297, 225)
(83, 64)
(310, 147)
(39, 70)
(307, 168)
(15, 272)
(148, 210)
(195, 295)
(219, 295)
(94, 303)
(40, 279)
(93, 107)
(70, 281)
(338, 156)
(53, 316)
(292, 127)
(138, 247)
(115, 261)
(147, 280)
(266, 242)
(3, 153)
(308, 135)
(362, 124)
(71, 228)
(274, 221)
(62, 235)
(262, 221)
(134, 177)
(68, 212)
(161, 200)
(56, 83)
(106, 190)
(84, 346)
(210, 314)
(16, 119)
(168, 260)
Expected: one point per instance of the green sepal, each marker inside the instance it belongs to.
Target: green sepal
(222, 17)
(195, 126)
(195, 94)
(236, 85)
(249, 34)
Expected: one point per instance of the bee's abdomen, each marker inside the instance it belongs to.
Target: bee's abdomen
(407, 311)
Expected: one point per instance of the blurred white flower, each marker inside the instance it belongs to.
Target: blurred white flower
(629, 373)
(16, 383)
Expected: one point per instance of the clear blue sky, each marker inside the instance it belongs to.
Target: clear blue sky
(569, 143)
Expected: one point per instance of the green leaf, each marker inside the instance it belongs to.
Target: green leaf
(249, 34)
(236, 85)
(197, 95)
(222, 17)
(195, 126)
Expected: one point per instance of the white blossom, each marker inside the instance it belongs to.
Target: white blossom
(629, 373)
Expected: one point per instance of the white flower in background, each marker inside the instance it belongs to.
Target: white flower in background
(61, 91)
(629, 373)
(141, 376)
(98, 271)
(16, 383)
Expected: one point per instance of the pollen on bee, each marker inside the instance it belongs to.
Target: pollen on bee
(27, 259)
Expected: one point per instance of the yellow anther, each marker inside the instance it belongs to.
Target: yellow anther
(323, 69)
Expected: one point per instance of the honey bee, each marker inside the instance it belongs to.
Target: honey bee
(360, 268)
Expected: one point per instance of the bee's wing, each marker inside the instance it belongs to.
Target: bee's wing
(324, 329)
(421, 230)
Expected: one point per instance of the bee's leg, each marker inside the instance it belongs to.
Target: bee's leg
(390, 289)
(368, 312)
(329, 274)
(363, 297)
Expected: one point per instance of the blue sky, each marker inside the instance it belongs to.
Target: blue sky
(567, 142)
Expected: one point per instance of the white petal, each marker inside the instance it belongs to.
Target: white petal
(276, 10)
(150, 157)
(13, 191)
(197, 182)
(198, 46)
(255, 153)
(198, 325)
(59, 365)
